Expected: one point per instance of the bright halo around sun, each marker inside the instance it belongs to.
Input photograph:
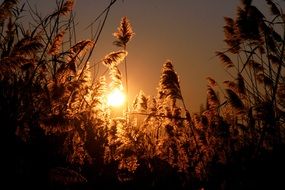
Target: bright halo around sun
(116, 98)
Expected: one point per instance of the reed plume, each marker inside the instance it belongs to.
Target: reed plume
(211, 82)
(234, 100)
(169, 82)
(6, 10)
(55, 47)
(225, 59)
(81, 47)
(114, 58)
(212, 99)
(67, 7)
(124, 33)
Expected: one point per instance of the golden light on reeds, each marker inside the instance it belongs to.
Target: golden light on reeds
(116, 97)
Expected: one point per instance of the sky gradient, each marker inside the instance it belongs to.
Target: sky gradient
(187, 32)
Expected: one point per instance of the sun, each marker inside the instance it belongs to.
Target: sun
(116, 98)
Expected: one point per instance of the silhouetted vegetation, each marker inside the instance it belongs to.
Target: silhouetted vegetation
(58, 131)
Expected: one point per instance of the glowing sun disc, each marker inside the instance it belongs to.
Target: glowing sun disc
(116, 98)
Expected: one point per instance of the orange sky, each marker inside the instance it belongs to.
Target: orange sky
(188, 32)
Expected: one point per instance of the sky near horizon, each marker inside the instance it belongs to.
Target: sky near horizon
(187, 32)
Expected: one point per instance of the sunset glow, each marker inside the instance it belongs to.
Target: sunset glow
(142, 94)
(116, 98)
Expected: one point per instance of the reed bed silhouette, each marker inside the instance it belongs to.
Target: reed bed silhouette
(59, 132)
